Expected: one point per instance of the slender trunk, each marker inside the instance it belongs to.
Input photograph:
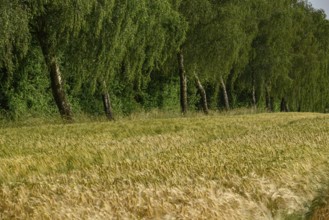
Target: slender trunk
(227, 103)
(183, 83)
(107, 103)
(284, 106)
(58, 90)
(202, 93)
(269, 100)
(254, 101)
(55, 78)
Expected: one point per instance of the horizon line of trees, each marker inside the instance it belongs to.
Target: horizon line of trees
(121, 56)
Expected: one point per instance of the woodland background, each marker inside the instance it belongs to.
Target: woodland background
(73, 57)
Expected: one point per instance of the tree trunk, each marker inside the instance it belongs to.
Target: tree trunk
(183, 83)
(254, 101)
(269, 100)
(227, 103)
(107, 103)
(58, 90)
(202, 93)
(55, 78)
(284, 106)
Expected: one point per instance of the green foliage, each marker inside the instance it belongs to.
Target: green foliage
(29, 93)
(14, 33)
(128, 49)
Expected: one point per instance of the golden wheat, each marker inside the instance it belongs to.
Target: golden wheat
(257, 166)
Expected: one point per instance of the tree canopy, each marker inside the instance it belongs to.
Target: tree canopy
(261, 53)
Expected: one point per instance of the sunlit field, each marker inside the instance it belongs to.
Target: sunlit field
(256, 166)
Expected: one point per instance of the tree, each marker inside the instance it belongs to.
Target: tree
(216, 38)
(271, 62)
(132, 38)
(55, 24)
(310, 58)
(258, 52)
(14, 44)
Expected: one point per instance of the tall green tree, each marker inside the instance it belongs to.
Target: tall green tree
(216, 38)
(310, 58)
(271, 59)
(132, 39)
(14, 44)
(55, 24)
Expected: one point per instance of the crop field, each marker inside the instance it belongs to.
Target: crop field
(253, 166)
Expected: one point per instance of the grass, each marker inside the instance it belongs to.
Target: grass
(224, 166)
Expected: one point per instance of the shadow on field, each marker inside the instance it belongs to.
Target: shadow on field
(320, 208)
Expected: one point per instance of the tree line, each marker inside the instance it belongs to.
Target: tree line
(123, 56)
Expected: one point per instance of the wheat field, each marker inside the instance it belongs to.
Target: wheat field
(249, 166)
